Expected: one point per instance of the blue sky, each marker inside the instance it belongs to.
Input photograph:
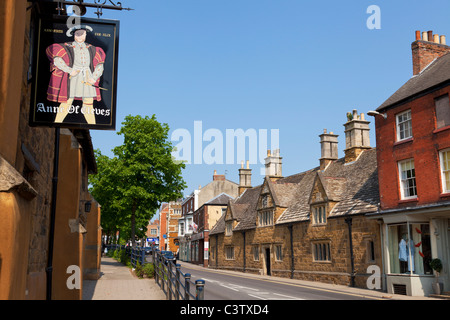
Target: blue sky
(292, 65)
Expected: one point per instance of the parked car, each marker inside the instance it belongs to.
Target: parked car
(169, 256)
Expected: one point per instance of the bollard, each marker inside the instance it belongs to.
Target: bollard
(199, 288)
(178, 267)
(187, 285)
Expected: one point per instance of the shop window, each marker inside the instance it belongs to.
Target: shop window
(410, 248)
(442, 112)
(319, 215)
(404, 126)
(407, 174)
(445, 170)
(321, 251)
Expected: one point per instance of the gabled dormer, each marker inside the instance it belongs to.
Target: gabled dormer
(325, 194)
(266, 204)
(318, 201)
(230, 219)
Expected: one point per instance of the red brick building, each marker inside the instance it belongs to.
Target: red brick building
(413, 155)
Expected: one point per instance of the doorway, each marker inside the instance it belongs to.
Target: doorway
(267, 261)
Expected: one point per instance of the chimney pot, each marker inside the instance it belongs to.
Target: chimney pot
(248, 164)
(436, 38)
(418, 35)
(424, 53)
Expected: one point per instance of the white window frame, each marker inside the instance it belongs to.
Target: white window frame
(181, 229)
(404, 184)
(444, 157)
(404, 126)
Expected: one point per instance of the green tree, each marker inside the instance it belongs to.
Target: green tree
(144, 175)
(103, 189)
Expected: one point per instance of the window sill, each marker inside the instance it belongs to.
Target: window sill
(408, 200)
(403, 141)
(445, 195)
(442, 129)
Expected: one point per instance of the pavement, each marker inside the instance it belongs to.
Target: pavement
(117, 282)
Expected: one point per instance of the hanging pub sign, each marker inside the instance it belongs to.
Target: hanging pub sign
(75, 74)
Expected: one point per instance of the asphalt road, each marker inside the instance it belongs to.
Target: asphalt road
(240, 286)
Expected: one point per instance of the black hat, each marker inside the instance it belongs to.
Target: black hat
(78, 27)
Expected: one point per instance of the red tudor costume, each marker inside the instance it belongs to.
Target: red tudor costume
(59, 87)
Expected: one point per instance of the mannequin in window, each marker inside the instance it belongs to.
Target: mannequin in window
(404, 253)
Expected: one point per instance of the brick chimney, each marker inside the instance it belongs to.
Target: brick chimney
(357, 138)
(218, 177)
(329, 148)
(273, 165)
(426, 48)
(245, 178)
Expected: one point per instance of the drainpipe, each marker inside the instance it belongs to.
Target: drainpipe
(352, 277)
(217, 248)
(292, 251)
(49, 269)
(243, 234)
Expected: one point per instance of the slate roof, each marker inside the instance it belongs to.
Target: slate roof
(354, 186)
(221, 199)
(434, 75)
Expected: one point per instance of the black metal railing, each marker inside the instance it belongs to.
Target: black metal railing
(168, 275)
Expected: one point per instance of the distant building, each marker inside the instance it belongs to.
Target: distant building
(153, 233)
(186, 226)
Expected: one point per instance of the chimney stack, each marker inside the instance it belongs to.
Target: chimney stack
(329, 148)
(357, 136)
(426, 49)
(273, 165)
(245, 178)
(218, 177)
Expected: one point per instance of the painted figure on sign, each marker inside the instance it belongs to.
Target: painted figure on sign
(76, 71)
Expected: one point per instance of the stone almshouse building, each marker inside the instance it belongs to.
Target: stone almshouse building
(311, 225)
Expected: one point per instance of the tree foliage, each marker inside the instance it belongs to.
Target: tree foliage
(131, 186)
